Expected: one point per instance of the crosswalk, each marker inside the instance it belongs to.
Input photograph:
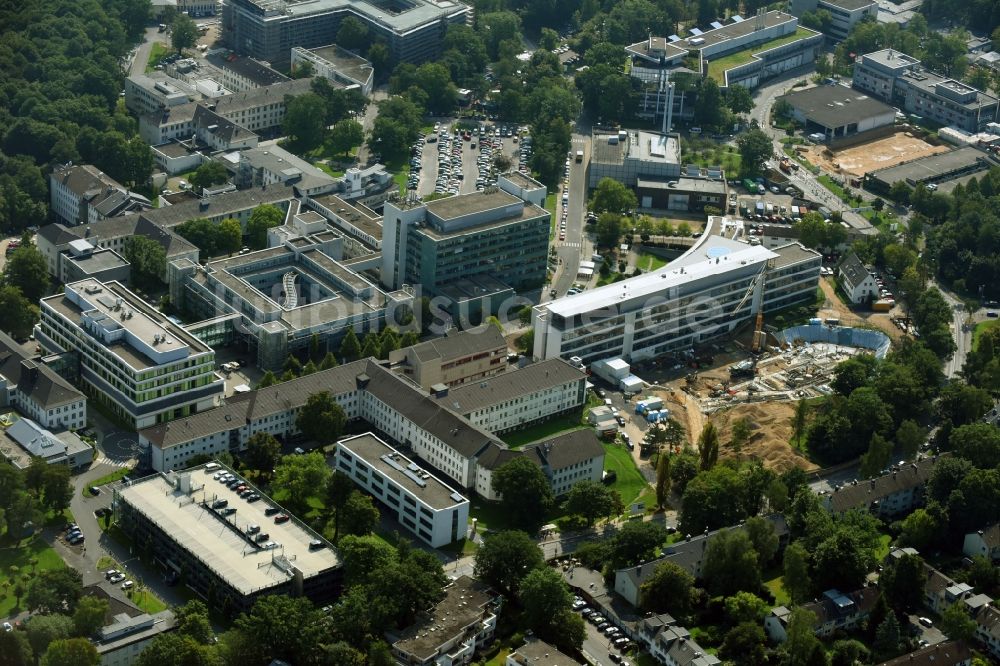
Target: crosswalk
(565, 244)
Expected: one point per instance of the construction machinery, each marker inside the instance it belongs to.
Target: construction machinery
(748, 369)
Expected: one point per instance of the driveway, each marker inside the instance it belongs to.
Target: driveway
(961, 333)
(142, 52)
(576, 246)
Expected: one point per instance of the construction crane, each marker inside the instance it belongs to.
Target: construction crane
(749, 368)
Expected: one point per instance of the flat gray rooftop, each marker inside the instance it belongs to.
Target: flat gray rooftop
(218, 541)
(350, 65)
(929, 82)
(850, 5)
(734, 30)
(100, 260)
(356, 216)
(932, 166)
(891, 58)
(836, 106)
(461, 607)
(466, 204)
(684, 184)
(415, 12)
(434, 493)
(638, 145)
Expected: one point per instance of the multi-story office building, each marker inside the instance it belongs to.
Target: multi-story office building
(844, 14)
(153, 92)
(38, 391)
(474, 250)
(143, 367)
(656, 64)
(435, 513)
(82, 194)
(456, 358)
(515, 400)
(241, 74)
(898, 79)
(273, 165)
(257, 110)
(227, 550)
(692, 299)
(268, 29)
(425, 426)
(337, 64)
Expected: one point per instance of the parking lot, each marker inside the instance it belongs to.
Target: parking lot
(603, 641)
(449, 161)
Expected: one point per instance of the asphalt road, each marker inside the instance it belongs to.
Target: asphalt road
(576, 247)
(142, 53)
(959, 331)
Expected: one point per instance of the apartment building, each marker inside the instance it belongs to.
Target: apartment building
(520, 398)
(535, 651)
(267, 30)
(256, 110)
(143, 367)
(338, 65)
(983, 543)
(457, 358)
(419, 501)
(82, 194)
(899, 79)
(949, 653)
(451, 633)
(895, 493)
(228, 558)
(689, 301)
(474, 251)
(37, 391)
(857, 280)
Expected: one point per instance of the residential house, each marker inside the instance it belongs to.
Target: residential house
(949, 653)
(988, 629)
(536, 652)
(673, 646)
(985, 542)
(857, 281)
(37, 391)
(834, 610)
(895, 493)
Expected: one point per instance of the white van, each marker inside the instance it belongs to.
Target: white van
(211, 467)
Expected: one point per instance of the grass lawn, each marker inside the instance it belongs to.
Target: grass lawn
(156, 55)
(460, 548)
(777, 588)
(884, 542)
(36, 548)
(519, 438)
(500, 658)
(325, 168)
(116, 475)
(981, 328)
(552, 205)
(717, 68)
(649, 262)
(629, 483)
(147, 601)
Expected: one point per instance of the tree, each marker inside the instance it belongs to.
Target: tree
(353, 34)
(148, 259)
(263, 452)
(635, 541)
(877, 458)
(612, 197)
(339, 489)
(764, 538)
(229, 236)
(683, 469)
(15, 649)
(350, 348)
(979, 443)
(902, 582)
(853, 373)
(730, 564)
(849, 653)
(193, 620)
(886, 644)
(329, 361)
(609, 229)
(263, 217)
(739, 99)
(27, 270)
(183, 33)
(909, 438)
(755, 149)
(202, 234)
(278, 627)
(667, 590)
(525, 492)
(957, 624)
(544, 596)
(57, 489)
(840, 561)
(371, 347)
(321, 419)
(589, 499)
(801, 641)
(796, 578)
(359, 515)
(51, 628)
(708, 446)
(89, 615)
(745, 644)
(345, 135)
(506, 558)
(208, 174)
(709, 109)
(301, 477)
(662, 478)
(54, 591)
(746, 607)
(713, 499)
(922, 528)
(740, 436)
(18, 315)
(71, 652)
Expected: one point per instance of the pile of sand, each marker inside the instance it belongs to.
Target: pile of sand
(771, 430)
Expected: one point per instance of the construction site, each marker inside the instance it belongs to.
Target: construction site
(872, 155)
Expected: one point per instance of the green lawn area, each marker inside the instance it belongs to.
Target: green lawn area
(21, 558)
(777, 588)
(981, 328)
(884, 542)
(461, 548)
(325, 168)
(107, 478)
(629, 482)
(717, 68)
(156, 55)
(552, 205)
(147, 601)
(723, 156)
(500, 659)
(519, 438)
(649, 262)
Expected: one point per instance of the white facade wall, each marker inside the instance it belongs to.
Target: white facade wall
(63, 201)
(564, 479)
(527, 408)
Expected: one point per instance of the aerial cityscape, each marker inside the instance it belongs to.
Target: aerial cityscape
(500, 333)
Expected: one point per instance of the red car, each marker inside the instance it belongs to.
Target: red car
(281, 518)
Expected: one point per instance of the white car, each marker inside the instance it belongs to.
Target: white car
(7, 626)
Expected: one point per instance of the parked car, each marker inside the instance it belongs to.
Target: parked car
(128, 585)
(282, 518)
